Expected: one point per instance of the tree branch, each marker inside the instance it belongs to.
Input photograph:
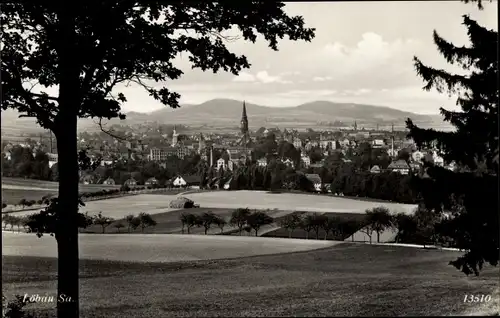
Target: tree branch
(108, 132)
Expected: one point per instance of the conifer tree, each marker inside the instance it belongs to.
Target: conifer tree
(471, 191)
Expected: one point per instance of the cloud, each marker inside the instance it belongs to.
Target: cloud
(265, 78)
(321, 79)
(244, 77)
(262, 77)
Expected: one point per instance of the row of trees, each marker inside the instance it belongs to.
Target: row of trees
(241, 218)
(31, 222)
(26, 163)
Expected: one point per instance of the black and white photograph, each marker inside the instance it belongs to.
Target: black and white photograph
(249, 159)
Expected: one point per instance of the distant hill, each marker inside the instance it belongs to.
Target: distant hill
(227, 113)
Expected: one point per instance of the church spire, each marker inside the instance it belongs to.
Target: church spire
(244, 120)
(244, 113)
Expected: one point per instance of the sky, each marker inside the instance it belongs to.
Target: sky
(362, 53)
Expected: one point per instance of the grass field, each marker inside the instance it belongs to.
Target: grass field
(289, 201)
(343, 280)
(15, 189)
(13, 196)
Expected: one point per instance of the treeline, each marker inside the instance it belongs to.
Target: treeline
(242, 218)
(344, 179)
(37, 223)
(24, 163)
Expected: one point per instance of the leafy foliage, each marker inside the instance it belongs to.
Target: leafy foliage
(48, 221)
(239, 218)
(257, 219)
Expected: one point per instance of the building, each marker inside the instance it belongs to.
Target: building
(417, 156)
(306, 161)
(175, 138)
(151, 181)
(316, 181)
(157, 154)
(191, 181)
(438, 160)
(262, 162)
(375, 169)
(378, 143)
(297, 143)
(201, 144)
(221, 163)
(109, 181)
(399, 166)
(87, 179)
(245, 139)
(130, 182)
(52, 159)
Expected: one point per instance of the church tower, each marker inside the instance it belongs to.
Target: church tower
(245, 136)
(175, 137)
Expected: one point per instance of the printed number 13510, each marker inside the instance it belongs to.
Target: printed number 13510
(477, 298)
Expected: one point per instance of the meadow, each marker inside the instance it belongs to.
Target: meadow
(342, 280)
(15, 189)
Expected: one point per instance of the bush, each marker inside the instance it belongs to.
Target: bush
(39, 202)
(4, 205)
(125, 188)
(149, 187)
(181, 203)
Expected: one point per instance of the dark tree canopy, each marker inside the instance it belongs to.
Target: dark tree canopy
(471, 193)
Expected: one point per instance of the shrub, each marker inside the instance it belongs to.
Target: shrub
(22, 202)
(181, 203)
(125, 188)
(4, 205)
(39, 202)
(149, 187)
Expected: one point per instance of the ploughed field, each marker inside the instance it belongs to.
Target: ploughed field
(342, 280)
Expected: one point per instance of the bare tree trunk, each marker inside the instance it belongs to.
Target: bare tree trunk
(67, 229)
(66, 134)
(378, 237)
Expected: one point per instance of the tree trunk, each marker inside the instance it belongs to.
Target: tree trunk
(256, 232)
(289, 234)
(188, 229)
(307, 235)
(103, 229)
(378, 237)
(66, 134)
(206, 229)
(67, 228)
(352, 237)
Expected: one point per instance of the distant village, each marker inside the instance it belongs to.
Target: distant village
(311, 149)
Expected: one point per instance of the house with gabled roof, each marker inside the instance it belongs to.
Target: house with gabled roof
(400, 166)
(375, 169)
(315, 179)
